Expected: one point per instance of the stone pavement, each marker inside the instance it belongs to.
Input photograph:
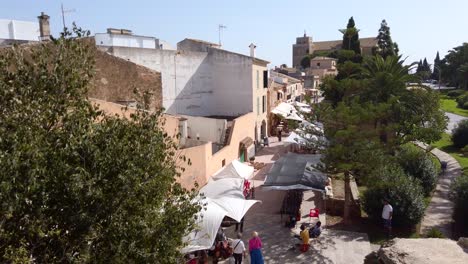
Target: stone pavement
(333, 246)
(439, 212)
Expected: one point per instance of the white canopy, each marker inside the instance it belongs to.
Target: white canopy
(294, 138)
(301, 104)
(236, 169)
(287, 111)
(223, 196)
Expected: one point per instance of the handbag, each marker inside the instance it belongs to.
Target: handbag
(231, 250)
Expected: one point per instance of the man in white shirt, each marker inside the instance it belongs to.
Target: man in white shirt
(387, 214)
(238, 247)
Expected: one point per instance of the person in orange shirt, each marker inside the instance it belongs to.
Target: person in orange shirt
(305, 238)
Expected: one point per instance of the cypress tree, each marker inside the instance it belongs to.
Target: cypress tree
(385, 43)
(351, 37)
(435, 72)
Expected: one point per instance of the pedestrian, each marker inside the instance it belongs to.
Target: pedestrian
(241, 225)
(255, 249)
(315, 231)
(238, 249)
(305, 238)
(387, 215)
(266, 142)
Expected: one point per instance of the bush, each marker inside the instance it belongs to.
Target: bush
(462, 100)
(455, 93)
(460, 134)
(459, 193)
(403, 192)
(419, 164)
(435, 233)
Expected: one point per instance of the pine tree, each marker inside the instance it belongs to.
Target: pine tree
(385, 43)
(351, 37)
(420, 67)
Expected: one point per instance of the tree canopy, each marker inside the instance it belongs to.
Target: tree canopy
(386, 47)
(455, 67)
(351, 37)
(77, 185)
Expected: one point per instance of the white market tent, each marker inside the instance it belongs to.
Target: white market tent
(294, 138)
(236, 169)
(223, 196)
(287, 111)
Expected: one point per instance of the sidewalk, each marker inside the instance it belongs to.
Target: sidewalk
(439, 212)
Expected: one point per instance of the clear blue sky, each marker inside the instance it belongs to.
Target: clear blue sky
(421, 27)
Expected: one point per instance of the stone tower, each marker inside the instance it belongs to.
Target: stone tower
(302, 48)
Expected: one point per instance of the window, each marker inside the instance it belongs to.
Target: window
(265, 79)
(223, 163)
(258, 79)
(278, 96)
(258, 106)
(318, 64)
(264, 103)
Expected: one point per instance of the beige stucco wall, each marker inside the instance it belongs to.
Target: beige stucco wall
(259, 92)
(204, 164)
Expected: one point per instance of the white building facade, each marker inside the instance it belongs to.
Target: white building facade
(214, 82)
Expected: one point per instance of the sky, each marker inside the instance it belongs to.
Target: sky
(420, 27)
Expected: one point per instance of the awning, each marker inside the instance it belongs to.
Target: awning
(296, 171)
(287, 111)
(236, 169)
(294, 138)
(247, 141)
(223, 196)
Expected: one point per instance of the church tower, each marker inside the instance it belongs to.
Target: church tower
(302, 48)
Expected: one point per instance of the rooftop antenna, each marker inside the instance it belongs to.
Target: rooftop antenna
(220, 28)
(63, 15)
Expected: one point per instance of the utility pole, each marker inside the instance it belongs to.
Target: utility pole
(220, 28)
(63, 15)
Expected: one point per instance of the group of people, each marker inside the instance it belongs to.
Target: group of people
(306, 234)
(225, 247)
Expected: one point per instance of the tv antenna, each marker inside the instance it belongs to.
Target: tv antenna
(63, 15)
(220, 28)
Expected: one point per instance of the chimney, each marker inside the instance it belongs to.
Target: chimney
(44, 27)
(252, 50)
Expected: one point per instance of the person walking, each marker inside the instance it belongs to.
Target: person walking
(387, 215)
(255, 246)
(238, 249)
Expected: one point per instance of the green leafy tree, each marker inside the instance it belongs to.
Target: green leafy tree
(76, 185)
(455, 67)
(403, 192)
(351, 37)
(386, 47)
(305, 62)
(412, 114)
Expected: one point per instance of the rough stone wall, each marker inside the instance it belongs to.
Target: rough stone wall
(116, 79)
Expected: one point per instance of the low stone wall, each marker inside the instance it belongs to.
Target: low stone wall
(335, 205)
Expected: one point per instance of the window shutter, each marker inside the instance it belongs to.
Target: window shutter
(265, 79)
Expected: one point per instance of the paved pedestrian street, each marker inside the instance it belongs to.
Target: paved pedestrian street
(333, 246)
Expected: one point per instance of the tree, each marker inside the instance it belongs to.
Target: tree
(412, 114)
(455, 67)
(425, 66)
(79, 186)
(351, 37)
(386, 47)
(403, 193)
(305, 62)
(436, 71)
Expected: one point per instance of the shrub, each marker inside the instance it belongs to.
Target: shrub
(465, 105)
(403, 192)
(455, 93)
(460, 134)
(462, 100)
(459, 193)
(419, 164)
(435, 233)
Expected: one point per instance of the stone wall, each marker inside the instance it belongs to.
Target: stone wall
(116, 79)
